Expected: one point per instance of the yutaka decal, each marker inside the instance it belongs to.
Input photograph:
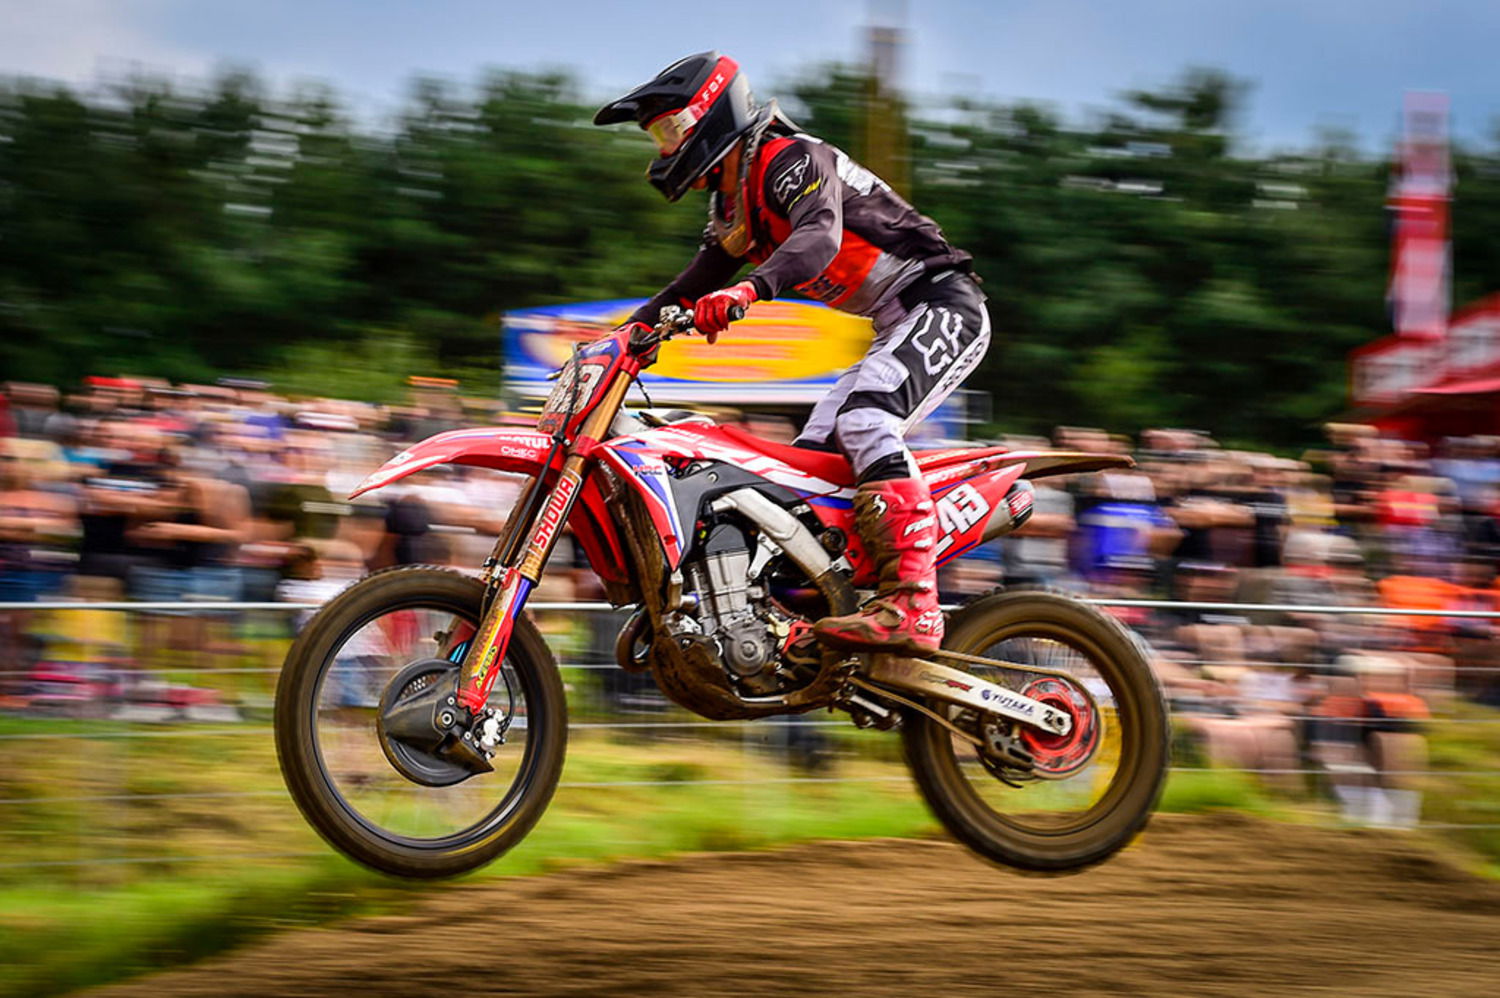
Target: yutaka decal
(1014, 704)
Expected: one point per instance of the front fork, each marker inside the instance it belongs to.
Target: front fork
(517, 574)
(515, 583)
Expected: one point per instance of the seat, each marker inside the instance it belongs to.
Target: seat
(832, 467)
(827, 465)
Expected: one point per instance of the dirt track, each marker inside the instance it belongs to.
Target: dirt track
(1202, 907)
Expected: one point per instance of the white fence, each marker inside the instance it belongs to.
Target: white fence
(31, 732)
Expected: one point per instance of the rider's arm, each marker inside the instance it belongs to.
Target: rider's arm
(709, 271)
(802, 185)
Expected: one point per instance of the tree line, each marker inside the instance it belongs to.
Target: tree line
(1140, 270)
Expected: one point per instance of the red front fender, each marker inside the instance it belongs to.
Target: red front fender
(520, 451)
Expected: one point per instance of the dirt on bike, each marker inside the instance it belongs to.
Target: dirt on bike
(421, 722)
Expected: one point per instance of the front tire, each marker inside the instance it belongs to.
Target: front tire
(327, 702)
(1056, 825)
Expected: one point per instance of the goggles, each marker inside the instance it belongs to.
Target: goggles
(671, 130)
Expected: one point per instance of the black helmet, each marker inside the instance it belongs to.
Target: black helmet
(695, 109)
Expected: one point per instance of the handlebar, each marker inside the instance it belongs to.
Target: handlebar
(676, 321)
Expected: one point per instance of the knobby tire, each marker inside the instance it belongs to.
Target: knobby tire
(307, 777)
(1142, 715)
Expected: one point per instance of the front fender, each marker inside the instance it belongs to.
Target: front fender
(520, 451)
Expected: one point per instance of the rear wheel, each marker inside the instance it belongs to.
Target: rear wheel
(1091, 792)
(381, 802)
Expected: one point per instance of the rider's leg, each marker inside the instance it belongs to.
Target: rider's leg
(896, 521)
(925, 345)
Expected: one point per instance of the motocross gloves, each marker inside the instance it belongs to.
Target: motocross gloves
(712, 315)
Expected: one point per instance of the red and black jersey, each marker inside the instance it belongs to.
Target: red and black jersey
(821, 224)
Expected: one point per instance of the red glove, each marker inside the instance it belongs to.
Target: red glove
(711, 313)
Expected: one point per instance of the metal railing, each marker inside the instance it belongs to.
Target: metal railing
(21, 745)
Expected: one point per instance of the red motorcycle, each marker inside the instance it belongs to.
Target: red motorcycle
(420, 717)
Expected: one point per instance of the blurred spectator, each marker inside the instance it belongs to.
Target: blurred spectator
(1037, 554)
(38, 519)
(409, 536)
(1267, 499)
(319, 571)
(188, 536)
(1118, 517)
(32, 408)
(1208, 507)
(1475, 653)
(82, 656)
(1368, 741)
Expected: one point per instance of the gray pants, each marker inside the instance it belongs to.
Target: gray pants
(925, 345)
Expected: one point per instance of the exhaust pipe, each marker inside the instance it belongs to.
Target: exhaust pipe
(1010, 512)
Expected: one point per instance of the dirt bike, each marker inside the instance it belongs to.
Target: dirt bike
(420, 717)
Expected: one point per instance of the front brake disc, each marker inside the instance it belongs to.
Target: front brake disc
(420, 683)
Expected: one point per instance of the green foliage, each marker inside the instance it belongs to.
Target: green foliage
(1212, 791)
(1141, 271)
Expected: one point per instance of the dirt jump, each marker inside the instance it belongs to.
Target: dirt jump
(1201, 906)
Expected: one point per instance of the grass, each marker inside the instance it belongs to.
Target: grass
(1464, 749)
(1200, 793)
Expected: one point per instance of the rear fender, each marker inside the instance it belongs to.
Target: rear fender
(1035, 464)
(518, 451)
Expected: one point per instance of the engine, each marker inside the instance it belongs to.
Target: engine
(732, 608)
(754, 571)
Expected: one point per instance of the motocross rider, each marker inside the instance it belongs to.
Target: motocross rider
(812, 220)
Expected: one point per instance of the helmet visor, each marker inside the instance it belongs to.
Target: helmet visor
(672, 129)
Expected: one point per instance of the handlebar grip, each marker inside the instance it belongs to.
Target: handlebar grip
(736, 313)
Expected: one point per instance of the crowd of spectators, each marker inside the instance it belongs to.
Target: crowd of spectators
(147, 491)
(138, 490)
(1264, 684)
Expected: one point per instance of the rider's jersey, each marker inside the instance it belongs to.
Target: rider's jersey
(822, 224)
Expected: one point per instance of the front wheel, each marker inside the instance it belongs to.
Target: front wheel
(1096, 797)
(387, 638)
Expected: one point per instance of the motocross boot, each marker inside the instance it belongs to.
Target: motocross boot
(895, 519)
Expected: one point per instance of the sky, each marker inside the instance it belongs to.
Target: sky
(1311, 63)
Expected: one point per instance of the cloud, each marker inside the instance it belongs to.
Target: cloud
(80, 40)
